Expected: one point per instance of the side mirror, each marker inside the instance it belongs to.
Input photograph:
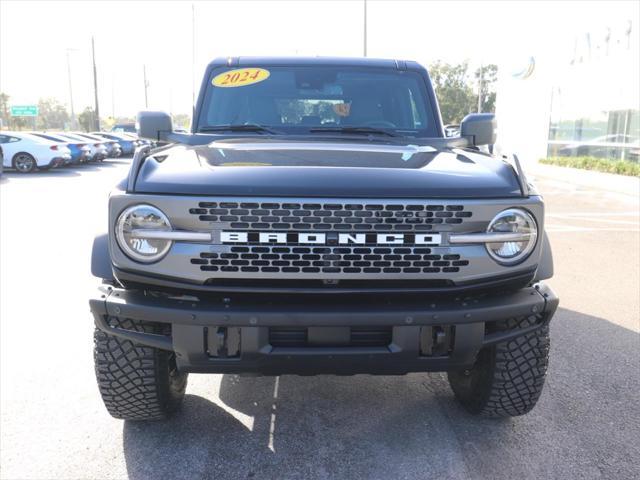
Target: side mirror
(479, 128)
(155, 126)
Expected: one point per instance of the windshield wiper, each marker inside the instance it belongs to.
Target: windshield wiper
(354, 130)
(241, 127)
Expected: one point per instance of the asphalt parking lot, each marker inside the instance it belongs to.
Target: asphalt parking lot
(54, 426)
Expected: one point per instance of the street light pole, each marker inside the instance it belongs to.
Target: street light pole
(365, 28)
(95, 87)
(73, 114)
(480, 79)
(146, 84)
(113, 97)
(193, 55)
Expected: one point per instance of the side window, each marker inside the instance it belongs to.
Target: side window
(14, 139)
(4, 139)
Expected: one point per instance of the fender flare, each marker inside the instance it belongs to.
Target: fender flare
(101, 259)
(545, 267)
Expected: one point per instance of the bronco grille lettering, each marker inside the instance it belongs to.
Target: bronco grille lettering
(432, 239)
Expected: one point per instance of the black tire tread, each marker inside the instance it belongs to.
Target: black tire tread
(133, 379)
(508, 378)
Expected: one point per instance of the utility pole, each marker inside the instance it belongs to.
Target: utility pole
(73, 113)
(113, 97)
(365, 28)
(480, 89)
(193, 55)
(95, 87)
(146, 85)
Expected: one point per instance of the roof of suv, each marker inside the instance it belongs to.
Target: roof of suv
(324, 61)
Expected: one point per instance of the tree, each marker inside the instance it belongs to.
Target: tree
(51, 114)
(18, 123)
(457, 94)
(486, 77)
(4, 109)
(453, 89)
(87, 119)
(182, 120)
(14, 123)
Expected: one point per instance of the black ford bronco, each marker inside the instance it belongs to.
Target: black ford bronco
(316, 220)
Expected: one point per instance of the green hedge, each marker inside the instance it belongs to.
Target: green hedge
(621, 167)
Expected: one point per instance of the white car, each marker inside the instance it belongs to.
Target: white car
(98, 150)
(26, 152)
(113, 148)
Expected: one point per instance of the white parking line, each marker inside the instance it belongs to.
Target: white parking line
(272, 421)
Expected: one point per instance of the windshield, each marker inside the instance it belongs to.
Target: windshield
(313, 99)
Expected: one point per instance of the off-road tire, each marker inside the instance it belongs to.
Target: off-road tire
(137, 382)
(507, 378)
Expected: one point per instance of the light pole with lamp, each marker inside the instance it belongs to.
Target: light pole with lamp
(73, 114)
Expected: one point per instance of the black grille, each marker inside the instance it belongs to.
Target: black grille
(356, 259)
(287, 336)
(297, 337)
(330, 216)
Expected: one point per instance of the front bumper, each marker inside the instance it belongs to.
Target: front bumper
(227, 334)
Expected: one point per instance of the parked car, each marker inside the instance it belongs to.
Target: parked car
(1, 161)
(606, 146)
(114, 149)
(98, 149)
(127, 144)
(140, 141)
(124, 127)
(80, 152)
(26, 152)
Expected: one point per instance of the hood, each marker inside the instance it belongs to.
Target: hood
(273, 167)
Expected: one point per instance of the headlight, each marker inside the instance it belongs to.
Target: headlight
(513, 221)
(131, 227)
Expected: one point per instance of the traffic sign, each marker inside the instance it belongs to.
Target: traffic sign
(24, 111)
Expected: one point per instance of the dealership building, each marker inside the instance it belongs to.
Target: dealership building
(577, 98)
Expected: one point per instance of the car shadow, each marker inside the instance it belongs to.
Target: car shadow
(405, 426)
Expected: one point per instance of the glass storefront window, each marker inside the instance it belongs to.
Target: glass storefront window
(594, 111)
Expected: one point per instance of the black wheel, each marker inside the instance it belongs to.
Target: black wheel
(507, 378)
(24, 163)
(137, 382)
